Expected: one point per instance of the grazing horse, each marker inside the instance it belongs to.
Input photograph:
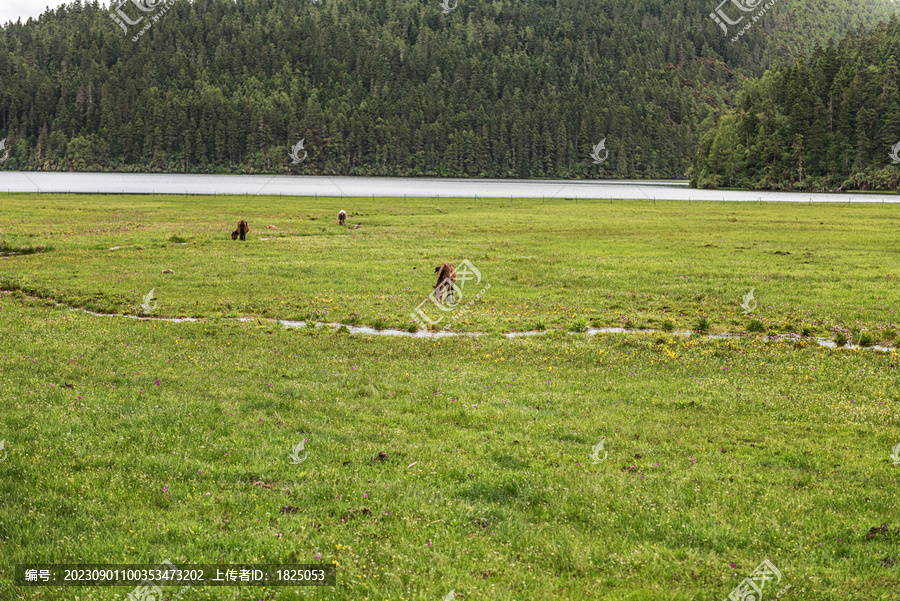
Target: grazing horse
(446, 279)
(342, 217)
(242, 231)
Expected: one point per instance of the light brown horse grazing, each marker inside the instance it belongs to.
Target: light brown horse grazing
(342, 217)
(446, 279)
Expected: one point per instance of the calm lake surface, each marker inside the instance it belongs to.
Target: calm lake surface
(336, 186)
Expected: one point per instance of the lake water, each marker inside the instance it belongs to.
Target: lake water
(337, 186)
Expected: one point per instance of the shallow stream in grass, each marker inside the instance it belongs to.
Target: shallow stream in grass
(371, 331)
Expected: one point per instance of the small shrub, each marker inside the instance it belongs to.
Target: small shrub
(539, 326)
(668, 326)
(841, 335)
(412, 327)
(579, 325)
(865, 339)
(806, 331)
(178, 239)
(343, 330)
(379, 323)
(702, 324)
(756, 326)
(889, 334)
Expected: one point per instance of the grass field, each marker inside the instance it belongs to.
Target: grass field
(813, 267)
(132, 441)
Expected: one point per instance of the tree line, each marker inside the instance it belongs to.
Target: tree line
(388, 87)
(827, 122)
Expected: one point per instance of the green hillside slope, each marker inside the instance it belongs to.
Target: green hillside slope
(493, 89)
(827, 122)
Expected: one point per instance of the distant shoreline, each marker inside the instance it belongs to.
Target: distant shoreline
(399, 187)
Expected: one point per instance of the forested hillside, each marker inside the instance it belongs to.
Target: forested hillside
(827, 122)
(390, 87)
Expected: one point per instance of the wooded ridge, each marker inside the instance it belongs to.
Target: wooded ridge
(372, 87)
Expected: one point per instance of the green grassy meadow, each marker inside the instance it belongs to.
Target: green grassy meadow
(637, 264)
(459, 463)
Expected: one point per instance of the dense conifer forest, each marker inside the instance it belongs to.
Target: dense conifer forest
(827, 122)
(399, 87)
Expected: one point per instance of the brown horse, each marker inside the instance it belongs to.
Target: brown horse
(242, 231)
(445, 282)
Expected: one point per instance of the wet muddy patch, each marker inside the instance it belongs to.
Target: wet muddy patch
(10, 250)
